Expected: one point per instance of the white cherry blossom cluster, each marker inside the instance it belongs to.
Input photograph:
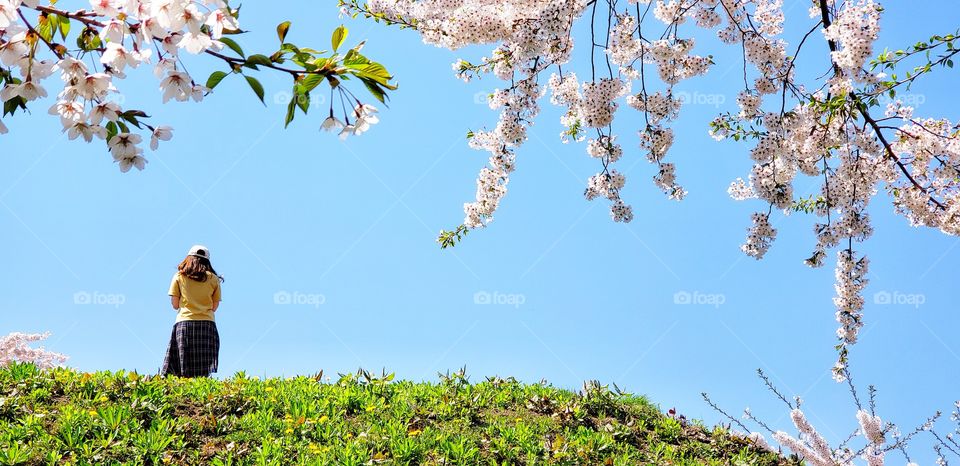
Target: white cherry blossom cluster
(814, 449)
(739, 190)
(658, 105)
(625, 47)
(851, 279)
(769, 17)
(855, 28)
(565, 92)
(605, 149)
(15, 347)
(749, 104)
(597, 106)
(760, 236)
(120, 35)
(871, 427)
(591, 105)
(810, 445)
(534, 36)
(870, 444)
(931, 150)
(519, 105)
(674, 62)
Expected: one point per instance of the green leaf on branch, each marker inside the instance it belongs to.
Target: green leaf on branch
(311, 82)
(64, 26)
(282, 30)
(258, 59)
(449, 239)
(339, 35)
(89, 40)
(10, 107)
(131, 116)
(233, 45)
(289, 48)
(46, 27)
(313, 51)
(375, 89)
(112, 130)
(375, 72)
(257, 88)
(354, 58)
(319, 64)
(215, 79)
(291, 110)
(303, 98)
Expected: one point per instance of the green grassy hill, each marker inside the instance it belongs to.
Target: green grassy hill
(65, 417)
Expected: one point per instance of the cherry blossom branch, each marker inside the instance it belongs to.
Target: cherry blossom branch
(942, 61)
(873, 434)
(119, 35)
(889, 150)
(293, 72)
(889, 60)
(34, 32)
(786, 76)
(832, 44)
(718, 409)
(865, 112)
(15, 348)
(84, 17)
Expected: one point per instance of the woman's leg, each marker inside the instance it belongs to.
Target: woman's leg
(215, 360)
(171, 361)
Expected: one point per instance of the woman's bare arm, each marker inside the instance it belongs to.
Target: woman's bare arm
(216, 305)
(175, 302)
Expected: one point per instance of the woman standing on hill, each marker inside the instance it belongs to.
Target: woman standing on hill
(195, 294)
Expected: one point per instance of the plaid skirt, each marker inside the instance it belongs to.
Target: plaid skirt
(194, 349)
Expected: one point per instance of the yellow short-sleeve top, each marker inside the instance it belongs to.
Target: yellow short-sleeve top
(196, 298)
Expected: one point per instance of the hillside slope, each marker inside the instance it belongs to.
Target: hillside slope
(66, 417)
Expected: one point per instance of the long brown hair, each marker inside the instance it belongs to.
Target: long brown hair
(196, 268)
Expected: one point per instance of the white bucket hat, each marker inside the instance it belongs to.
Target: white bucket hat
(200, 250)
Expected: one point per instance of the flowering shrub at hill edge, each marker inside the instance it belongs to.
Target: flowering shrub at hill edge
(877, 438)
(15, 347)
(93, 50)
(829, 129)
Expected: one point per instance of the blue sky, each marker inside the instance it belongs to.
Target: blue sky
(350, 227)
